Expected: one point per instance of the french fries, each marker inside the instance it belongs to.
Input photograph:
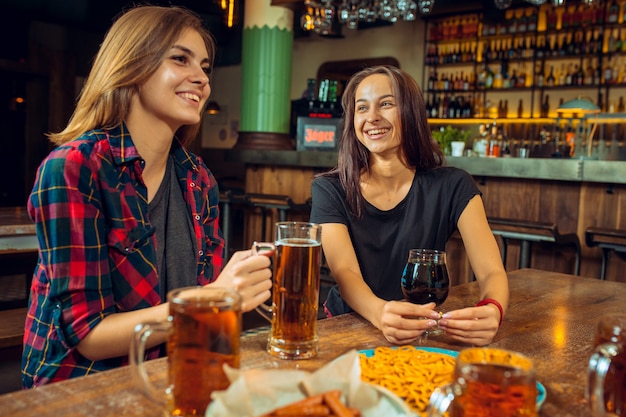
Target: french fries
(326, 404)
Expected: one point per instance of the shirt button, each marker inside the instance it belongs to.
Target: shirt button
(126, 249)
(192, 184)
(200, 253)
(142, 163)
(197, 217)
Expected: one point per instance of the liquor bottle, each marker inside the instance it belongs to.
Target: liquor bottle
(620, 105)
(532, 21)
(576, 17)
(545, 106)
(569, 75)
(521, 76)
(566, 18)
(540, 79)
(498, 79)
(513, 81)
(520, 108)
(588, 16)
(579, 75)
(589, 73)
(432, 80)
(489, 78)
(541, 47)
(608, 74)
(522, 22)
(551, 18)
(550, 80)
(612, 12)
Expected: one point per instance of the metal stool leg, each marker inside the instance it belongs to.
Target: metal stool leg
(605, 261)
(524, 254)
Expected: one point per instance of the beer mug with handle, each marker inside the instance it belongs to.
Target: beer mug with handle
(203, 334)
(488, 382)
(607, 368)
(295, 292)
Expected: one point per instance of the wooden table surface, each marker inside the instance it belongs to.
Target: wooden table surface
(551, 318)
(17, 230)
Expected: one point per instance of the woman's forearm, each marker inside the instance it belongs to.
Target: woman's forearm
(111, 337)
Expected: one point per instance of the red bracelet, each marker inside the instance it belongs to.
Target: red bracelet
(495, 303)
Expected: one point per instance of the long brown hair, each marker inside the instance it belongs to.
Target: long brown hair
(418, 147)
(132, 51)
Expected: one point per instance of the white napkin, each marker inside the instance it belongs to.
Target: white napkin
(256, 391)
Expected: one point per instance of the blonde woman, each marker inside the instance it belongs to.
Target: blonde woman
(124, 212)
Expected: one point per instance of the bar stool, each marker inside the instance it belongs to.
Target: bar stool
(281, 203)
(609, 240)
(228, 199)
(527, 232)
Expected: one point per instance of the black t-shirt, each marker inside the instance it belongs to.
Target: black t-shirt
(426, 218)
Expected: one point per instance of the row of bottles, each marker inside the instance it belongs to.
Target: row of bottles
(578, 43)
(450, 54)
(577, 16)
(459, 28)
(447, 106)
(507, 75)
(525, 20)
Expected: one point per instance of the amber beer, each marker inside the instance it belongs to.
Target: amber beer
(497, 391)
(203, 338)
(488, 382)
(295, 298)
(203, 334)
(607, 368)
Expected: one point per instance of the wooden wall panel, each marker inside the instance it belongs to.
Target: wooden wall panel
(289, 181)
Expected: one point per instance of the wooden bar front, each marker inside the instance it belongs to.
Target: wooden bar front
(538, 190)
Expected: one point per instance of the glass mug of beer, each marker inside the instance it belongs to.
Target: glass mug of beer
(607, 368)
(488, 382)
(295, 293)
(203, 333)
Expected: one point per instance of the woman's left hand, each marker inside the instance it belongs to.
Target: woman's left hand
(473, 325)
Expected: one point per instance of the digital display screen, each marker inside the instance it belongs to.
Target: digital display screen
(314, 133)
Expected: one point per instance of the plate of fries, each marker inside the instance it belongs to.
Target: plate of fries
(394, 368)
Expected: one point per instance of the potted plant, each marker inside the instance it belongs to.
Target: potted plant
(448, 135)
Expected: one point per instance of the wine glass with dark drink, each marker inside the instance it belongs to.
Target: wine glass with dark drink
(425, 279)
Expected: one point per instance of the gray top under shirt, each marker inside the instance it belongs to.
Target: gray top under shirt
(176, 247)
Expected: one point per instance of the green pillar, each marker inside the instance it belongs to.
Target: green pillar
(266, 76)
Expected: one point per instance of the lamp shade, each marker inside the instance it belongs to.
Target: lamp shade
(213, 108)
(578, 105)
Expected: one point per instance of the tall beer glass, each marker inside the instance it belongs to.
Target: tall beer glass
(295, 294)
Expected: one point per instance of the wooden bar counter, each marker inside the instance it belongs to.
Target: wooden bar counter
(573, 193)
(551, 318)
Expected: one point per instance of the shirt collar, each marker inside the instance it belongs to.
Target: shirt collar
(124, 151)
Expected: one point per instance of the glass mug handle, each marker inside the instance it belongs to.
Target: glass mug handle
(267, 249)
(136, 358)
(441, 398)
(599, 364)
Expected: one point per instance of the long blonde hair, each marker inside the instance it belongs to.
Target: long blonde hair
(132, 51)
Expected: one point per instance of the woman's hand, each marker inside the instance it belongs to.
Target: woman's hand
(248, 274)
(473, 325)
(402, 322)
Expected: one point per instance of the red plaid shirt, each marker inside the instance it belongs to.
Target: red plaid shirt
(97, 247)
